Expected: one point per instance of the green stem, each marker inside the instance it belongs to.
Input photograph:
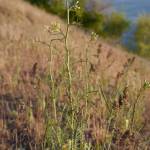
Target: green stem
(69, 76)
(87, 80)
(134, 107)
(52, 84)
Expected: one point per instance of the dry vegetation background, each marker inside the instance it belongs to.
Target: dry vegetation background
(23, 62)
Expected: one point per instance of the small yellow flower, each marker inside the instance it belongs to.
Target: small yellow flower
(127, 124)
(94, 36)
(65, 147)
(146, 84)
(76, 6)
(55, 27)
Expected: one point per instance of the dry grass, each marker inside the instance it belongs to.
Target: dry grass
(24, 66)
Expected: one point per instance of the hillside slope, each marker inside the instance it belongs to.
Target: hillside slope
(21, 23)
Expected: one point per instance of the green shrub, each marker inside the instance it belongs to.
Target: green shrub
(93, 20)
(57, 7)
(115, 25)
(105, 25)
(142, 35)
(38, 2)
(54, 6)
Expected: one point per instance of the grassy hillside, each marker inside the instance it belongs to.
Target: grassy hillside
(77, 93)
(93, 18)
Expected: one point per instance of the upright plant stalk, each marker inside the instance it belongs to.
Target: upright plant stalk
(69, 76)
(134, 107)
(86, 80)
(52, 94)
(53, 87)
(68, 53)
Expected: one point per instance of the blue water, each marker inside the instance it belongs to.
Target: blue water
(132, 9)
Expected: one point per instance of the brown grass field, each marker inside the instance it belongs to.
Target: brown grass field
(24, 64)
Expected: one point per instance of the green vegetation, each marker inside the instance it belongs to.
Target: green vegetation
(142, 35)
(105, 25)
(93, 21)
(74, 124)
(69, 105)
(53, 6)
(115, 25)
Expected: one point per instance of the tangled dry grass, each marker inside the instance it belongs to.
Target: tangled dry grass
(25, 91)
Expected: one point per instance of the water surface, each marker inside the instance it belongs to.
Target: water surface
(132, 9)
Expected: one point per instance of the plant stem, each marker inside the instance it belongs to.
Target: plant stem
(134, 107)
(87, 79)
(69, 76)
